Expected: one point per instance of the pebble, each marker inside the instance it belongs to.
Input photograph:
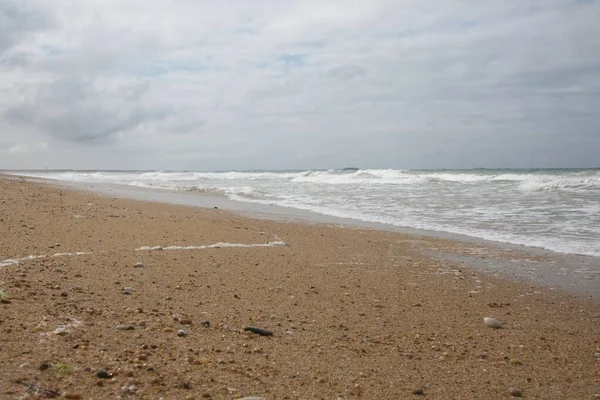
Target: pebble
(129, 389)
(515, 392)
(258, 331)
(139, 264)
(205, 323)
(103, 374)
(181, 333)
(44, 366)
(128, 290)
(418, 392)
(5, 301)
(492, 323)
(125, 327)
(71, 395)
(185, 321)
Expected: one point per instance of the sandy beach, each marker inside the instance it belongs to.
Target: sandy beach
(106, 298)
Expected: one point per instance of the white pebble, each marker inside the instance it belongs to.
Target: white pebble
(492, 322)
(128, 290)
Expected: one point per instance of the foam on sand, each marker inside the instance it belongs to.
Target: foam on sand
(212, 246)
(17, 261)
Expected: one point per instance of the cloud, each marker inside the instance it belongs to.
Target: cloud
(347, 72)
(300, 84)
(19, 149)
(82, 111)
(18, 21)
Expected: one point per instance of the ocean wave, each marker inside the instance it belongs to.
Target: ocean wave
(381, 176)
(533, 184)
(526, 181)
(227, 176)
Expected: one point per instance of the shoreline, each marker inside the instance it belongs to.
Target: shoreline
(574, 273)
(355, 313)
(572, 236)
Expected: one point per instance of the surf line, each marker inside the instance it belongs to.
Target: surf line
(213, 246)
(220, 245)
(17, 261)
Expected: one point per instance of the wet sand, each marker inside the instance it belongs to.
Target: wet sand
(354, 313)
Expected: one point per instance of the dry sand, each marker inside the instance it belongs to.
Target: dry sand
(355, 313)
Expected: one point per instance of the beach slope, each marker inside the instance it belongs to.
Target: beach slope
(105, 298)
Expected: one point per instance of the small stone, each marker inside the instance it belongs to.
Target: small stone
(128, 290)
(205, 324)
(125, 327)
(71, 395)
(418, 392)
(129, 389)
(258, 331)
(64, 294)
(515, 392)
(5, 301)
(492, 323)
(515, 361)
(103, 374)
(139, 264)
(185, 321)
(44, 366)
(181, 333)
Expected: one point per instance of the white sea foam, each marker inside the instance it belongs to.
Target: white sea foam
(77, 253)
(17, 261)
(212, 246)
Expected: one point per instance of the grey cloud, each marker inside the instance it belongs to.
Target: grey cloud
(17, 20)
(347, 72)
(75, 110)
(436, 84)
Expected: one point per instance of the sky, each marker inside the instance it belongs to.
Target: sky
(220, 85)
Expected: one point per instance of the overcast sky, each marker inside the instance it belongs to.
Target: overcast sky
(213, 85)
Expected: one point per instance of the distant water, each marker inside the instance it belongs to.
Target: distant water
(554, 209)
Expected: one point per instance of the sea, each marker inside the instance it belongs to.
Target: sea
(554, 209)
